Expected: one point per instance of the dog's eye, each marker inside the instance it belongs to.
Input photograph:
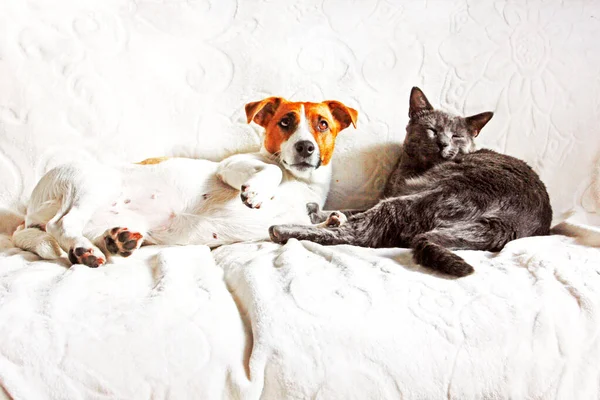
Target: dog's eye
(323, 125)
(455, 136)
(284, 123)
(431, 132)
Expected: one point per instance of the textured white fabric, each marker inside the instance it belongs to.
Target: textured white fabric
(344, 322)
(318, 322)
(159, 325)
(125, 80)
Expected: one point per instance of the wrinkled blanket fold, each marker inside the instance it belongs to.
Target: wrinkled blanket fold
(303, 321)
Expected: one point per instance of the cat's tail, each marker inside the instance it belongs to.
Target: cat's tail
(432, 255)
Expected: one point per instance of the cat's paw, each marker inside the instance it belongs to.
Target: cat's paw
(312, 208)
(335, 219)
(280, 233)
(315, 214)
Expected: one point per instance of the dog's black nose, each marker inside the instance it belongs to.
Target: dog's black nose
(305, 148)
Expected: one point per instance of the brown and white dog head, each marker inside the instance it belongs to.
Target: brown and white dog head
(302, 134)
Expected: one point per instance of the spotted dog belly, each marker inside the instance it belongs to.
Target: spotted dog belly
(153, 195)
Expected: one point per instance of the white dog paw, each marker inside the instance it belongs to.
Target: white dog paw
(255, 194)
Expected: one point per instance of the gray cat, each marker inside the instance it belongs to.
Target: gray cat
(442, 195)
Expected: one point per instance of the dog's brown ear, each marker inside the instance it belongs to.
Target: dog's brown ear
(262, 111)
(343, 115)
(477, 122)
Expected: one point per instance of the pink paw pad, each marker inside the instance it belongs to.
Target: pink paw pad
(85, 256)
(121, 241)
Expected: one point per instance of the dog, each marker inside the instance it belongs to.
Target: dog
(94, 211)
(584, 224)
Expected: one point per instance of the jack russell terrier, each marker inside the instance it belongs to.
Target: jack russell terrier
(92, 210)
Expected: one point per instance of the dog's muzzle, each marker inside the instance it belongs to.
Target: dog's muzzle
(306, 156)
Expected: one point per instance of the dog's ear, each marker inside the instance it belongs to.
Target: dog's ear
(343, 115)
(478, 121)
(418, 102)
(262, 111)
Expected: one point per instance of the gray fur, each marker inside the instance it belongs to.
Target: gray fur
(443, 194)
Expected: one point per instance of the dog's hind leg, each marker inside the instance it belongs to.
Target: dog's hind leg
(67, 227)
(81, 192)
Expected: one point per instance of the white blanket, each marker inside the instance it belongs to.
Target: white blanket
(348, 323)
(122, 80)
(160, 325)
(303, 321)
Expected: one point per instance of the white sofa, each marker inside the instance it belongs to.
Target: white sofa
(121, 80)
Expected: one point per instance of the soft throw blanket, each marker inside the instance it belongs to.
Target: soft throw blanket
(302, 321)
(349, 323)
(161, 325)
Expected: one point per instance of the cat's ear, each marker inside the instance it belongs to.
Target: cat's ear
(478, 121)
(418, 102)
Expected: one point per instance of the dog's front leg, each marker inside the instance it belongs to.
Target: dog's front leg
(256, 180)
